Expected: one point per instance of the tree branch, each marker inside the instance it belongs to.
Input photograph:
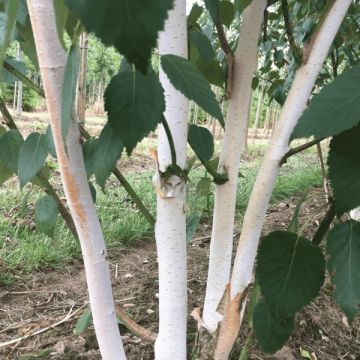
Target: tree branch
(298, 149)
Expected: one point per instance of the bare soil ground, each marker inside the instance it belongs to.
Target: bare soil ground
(39, 302)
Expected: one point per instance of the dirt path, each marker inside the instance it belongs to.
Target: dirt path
(39, 301)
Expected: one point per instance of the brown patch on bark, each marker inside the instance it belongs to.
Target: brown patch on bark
(229, 328)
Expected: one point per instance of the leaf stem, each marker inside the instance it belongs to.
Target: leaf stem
(171, 141)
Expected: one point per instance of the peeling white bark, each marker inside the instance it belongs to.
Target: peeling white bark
(232, 145)
(170, 230)
(294, 106)
(52, 60)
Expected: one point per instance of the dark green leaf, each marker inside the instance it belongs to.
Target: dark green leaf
(241, 5)
(212, 71)
(46, 213)
(8, 77)
(61, 13)
(69, 89)
(92, 191)
(50, 142)
(10, 144)
(343, 248)
(213, 8)
(135, 105)
(195, 13)
(32, 156)
(290, 272)
(131, 26)
(334, 110)
(344, 170)
(189, 81)
(271, 333)
(89, 151)
(201, 141)
(192, 226)
(226, 12)
(5, 173)
(83, 322)
(202, 44)
(108, 150)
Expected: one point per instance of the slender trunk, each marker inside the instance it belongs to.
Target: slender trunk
(294, 106)
(15, 95)
(258, 110)
(52, 61)
(327, 190)
(81, 97)
(235, 130)
(170, 229)
(19, 105)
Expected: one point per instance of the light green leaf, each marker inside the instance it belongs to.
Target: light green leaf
(192, 225)
(226, 12)
(343, 248)
(50, 142)
(344, 169)
(189, 81)
(32, 156)
(89, 151)
(202, 44)
(212, 71)
(290, 272)
(108, 150)
(135, 104)
(69, 89)
(83, 322)
(10, 144)
(335, 109)
(8, 77)
(46, 212)
(131, 26)
(271, 333)
(203, 187)
(5, 173)
(201, 141)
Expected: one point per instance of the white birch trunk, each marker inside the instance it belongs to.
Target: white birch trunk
(257, 115)
(294, 106)
(52, 61)
(232, 145)
(170, 230)
(19, 104)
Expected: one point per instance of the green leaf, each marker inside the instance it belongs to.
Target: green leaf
(212, 71)
(32, 156)
(343, 248)
(61, 13)
(290, 272)
(201, 141)
(69, 89)
(293, 226)
(189, 81)
(83, 322)
(241, 5)
(271, 333)
(344, 170)
(8, 77)
(202, 44)
(92, 191)
(46, 212)
(192, 226)
(10, 144)
(108, 150)
(334, 110)
(195, 13)
(89, 151)
(226, 12)
(213, 8)
(50, 142)
(131, 26)
(135, 104)
(203, 187)
(5, 173)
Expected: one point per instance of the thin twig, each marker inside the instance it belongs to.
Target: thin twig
(298, 149)
(170, 139)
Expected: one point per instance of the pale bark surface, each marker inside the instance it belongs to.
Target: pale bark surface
(294, 106)
(170, 229)
(52, 60)
(232, 146)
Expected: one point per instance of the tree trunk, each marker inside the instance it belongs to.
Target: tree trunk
(82, 78)
(295, 104)
(19, 105)
(52, 61)
(232, 145)
(170, 229)
(258, 111)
